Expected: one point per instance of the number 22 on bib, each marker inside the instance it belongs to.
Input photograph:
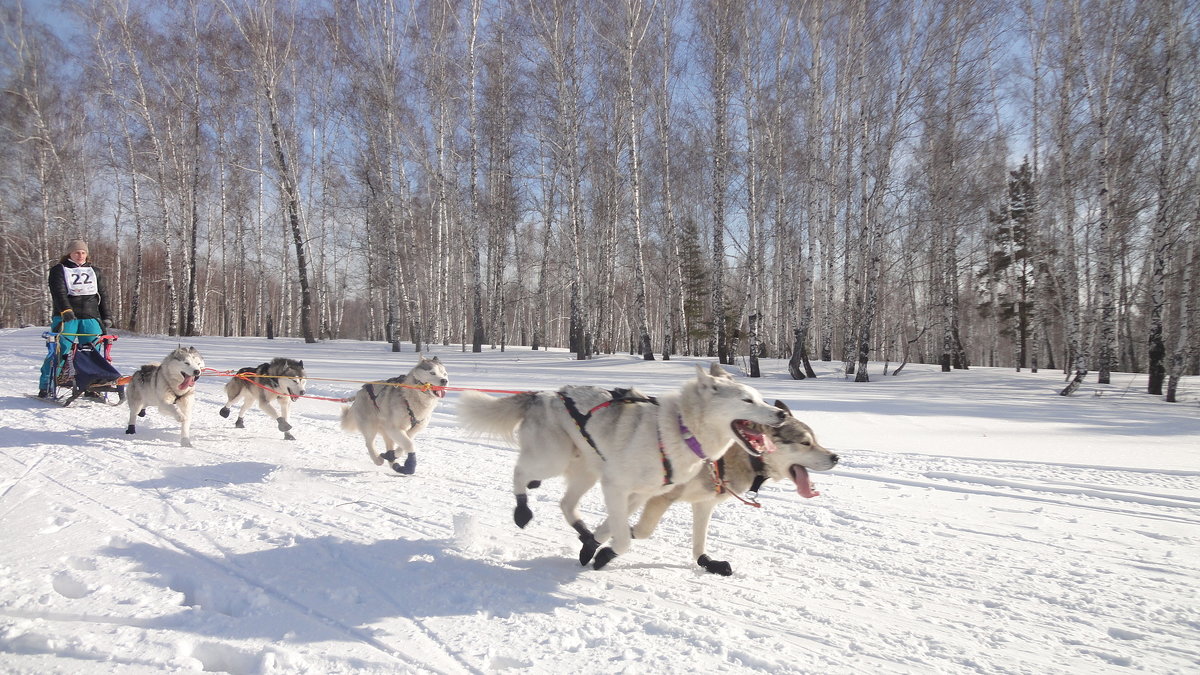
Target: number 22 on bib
(81, 281)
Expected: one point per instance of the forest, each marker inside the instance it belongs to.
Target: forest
(963, 182)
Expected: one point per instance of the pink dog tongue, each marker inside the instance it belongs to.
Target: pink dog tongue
(803, 484)
(188, 381)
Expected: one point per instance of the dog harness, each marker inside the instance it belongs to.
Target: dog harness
(751, 496)
(689, 439)
(370, 389)
(581, 418)
(717, 469)
(261, 378)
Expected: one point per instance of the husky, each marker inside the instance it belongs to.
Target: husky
(397, 409)
(169, 386)
(796, 452)
(279, 380)
(635, 446)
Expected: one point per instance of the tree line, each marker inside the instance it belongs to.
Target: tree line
(964, 182)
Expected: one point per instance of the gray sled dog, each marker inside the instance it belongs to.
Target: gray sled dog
(169, 386)
(796, 452)
(278, 381)
(397, 409)
(637, 447)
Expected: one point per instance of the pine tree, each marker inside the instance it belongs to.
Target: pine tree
(695, 286)
(1010, 266)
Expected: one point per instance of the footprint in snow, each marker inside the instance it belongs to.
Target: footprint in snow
(56, 523)
(1123, 634)
(215, 657)
(68, 586)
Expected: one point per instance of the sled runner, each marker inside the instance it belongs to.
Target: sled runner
(84, 370)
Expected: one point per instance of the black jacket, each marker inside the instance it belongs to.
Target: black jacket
(85, 306)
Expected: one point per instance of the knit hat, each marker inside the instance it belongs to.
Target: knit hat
(75, 245)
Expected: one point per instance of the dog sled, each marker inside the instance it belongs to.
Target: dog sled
(85, 370)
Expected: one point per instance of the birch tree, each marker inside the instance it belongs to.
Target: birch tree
(1169, 176)
(1063, 134)
(268, 36)
(556, 31)
(717, 19)
(636, 23)
(38, 130)
(473, 225)
(816, 184)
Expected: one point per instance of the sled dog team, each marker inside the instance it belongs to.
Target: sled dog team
(396, 409)
(710, 440)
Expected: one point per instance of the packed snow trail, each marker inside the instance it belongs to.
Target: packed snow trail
(978, 523)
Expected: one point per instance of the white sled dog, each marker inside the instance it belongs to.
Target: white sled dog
(278, 381)
(796, 452)
(637, 447)
(169, 386)
(397, 409)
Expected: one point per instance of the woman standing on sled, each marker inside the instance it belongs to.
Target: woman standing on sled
(80, 313)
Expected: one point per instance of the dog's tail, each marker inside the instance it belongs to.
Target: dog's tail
(348, 422)
(233, 387)
(485, 414)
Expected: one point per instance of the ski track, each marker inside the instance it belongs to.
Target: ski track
(224, 563)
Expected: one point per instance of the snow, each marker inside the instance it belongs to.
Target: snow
(978, 523)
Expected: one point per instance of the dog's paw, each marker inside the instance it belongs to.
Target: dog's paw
(185, 442)
(239, 424)
(533, 485)
(588, 549)
(129, 429)
(603, 557)
(409, 467)
(388, 456)
(522, 514)
(288, 437)
(224, 412)
(142, 412)
(715, 566)
(283, 425)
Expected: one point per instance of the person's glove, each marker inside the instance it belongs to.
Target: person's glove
(108, 323)
(68, 315)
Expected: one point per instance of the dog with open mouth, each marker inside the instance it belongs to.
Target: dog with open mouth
(788, 451)
(280, 380)
(170, 386)
(635, 446)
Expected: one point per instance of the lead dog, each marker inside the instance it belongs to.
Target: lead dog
(397, 409)
(169, 386)
(636, 447)
(796, 452)
(279, 380)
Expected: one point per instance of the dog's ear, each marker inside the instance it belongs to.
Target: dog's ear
(300, 363)
(783, 406)
(704, 378)
(717, 371)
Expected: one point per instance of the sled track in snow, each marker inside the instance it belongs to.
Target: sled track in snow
(228, 569)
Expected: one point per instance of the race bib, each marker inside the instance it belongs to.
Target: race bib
(81, 281)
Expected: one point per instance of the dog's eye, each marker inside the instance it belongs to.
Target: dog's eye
(748, 400)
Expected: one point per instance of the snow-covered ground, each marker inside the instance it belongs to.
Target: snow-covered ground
(978, 523)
